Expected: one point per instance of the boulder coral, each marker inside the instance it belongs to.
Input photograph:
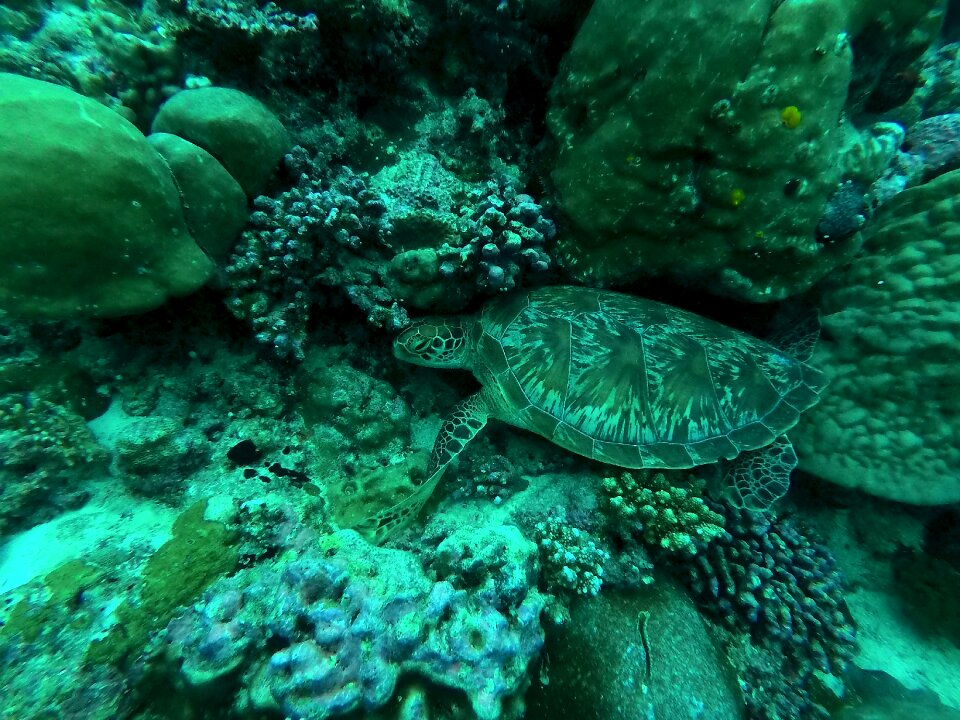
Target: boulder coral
(91, 213)
(702, 140)
(890, 423)
(97, 220)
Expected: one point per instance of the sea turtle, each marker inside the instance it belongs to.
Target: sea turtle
(619, 379)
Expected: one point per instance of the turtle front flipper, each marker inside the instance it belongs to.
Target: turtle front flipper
(467, 419)
(758, 478)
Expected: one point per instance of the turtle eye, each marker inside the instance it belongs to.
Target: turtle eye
(419, 346)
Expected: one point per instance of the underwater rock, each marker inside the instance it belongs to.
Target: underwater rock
(635, 657)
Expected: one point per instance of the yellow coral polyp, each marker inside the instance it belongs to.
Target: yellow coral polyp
(790, 116)
(737, 196)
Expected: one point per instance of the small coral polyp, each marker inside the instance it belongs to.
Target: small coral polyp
(790, 117)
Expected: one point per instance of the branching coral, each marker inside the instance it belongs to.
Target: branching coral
(666, 517)
(504, 234)
(324, 233)
(769, 579)
(342, 232)
(572, 559)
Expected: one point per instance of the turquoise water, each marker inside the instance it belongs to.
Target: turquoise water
(485, 359)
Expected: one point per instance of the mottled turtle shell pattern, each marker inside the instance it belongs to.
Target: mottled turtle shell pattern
(634, 382)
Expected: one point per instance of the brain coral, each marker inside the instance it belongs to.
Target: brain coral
(890, 422)
(703, 139)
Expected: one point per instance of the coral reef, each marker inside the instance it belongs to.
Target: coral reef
(156, 455)
(216, 214)
(486, 473)
(237, 129)
(356, 418)
(126, 248)
(646, 654)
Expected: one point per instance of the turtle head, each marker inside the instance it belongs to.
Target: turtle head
(436, 342)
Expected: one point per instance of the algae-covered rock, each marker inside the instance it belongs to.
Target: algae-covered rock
(237, 129)
(214, 205)
(635, 657)
(199, 552)
(703, 140)
(47, 453)
(90, 214)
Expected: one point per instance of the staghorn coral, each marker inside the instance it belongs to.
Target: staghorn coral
(460, 239)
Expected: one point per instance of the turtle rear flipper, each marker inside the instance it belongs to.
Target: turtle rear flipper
(758, 478)
(795, 331)
(467, 419)
(378, 528)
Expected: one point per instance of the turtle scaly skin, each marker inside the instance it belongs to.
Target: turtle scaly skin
(618, 379)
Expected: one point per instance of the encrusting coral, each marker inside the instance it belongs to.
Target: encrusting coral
(348, 620)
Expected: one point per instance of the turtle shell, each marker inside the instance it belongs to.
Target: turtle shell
(637, 383)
